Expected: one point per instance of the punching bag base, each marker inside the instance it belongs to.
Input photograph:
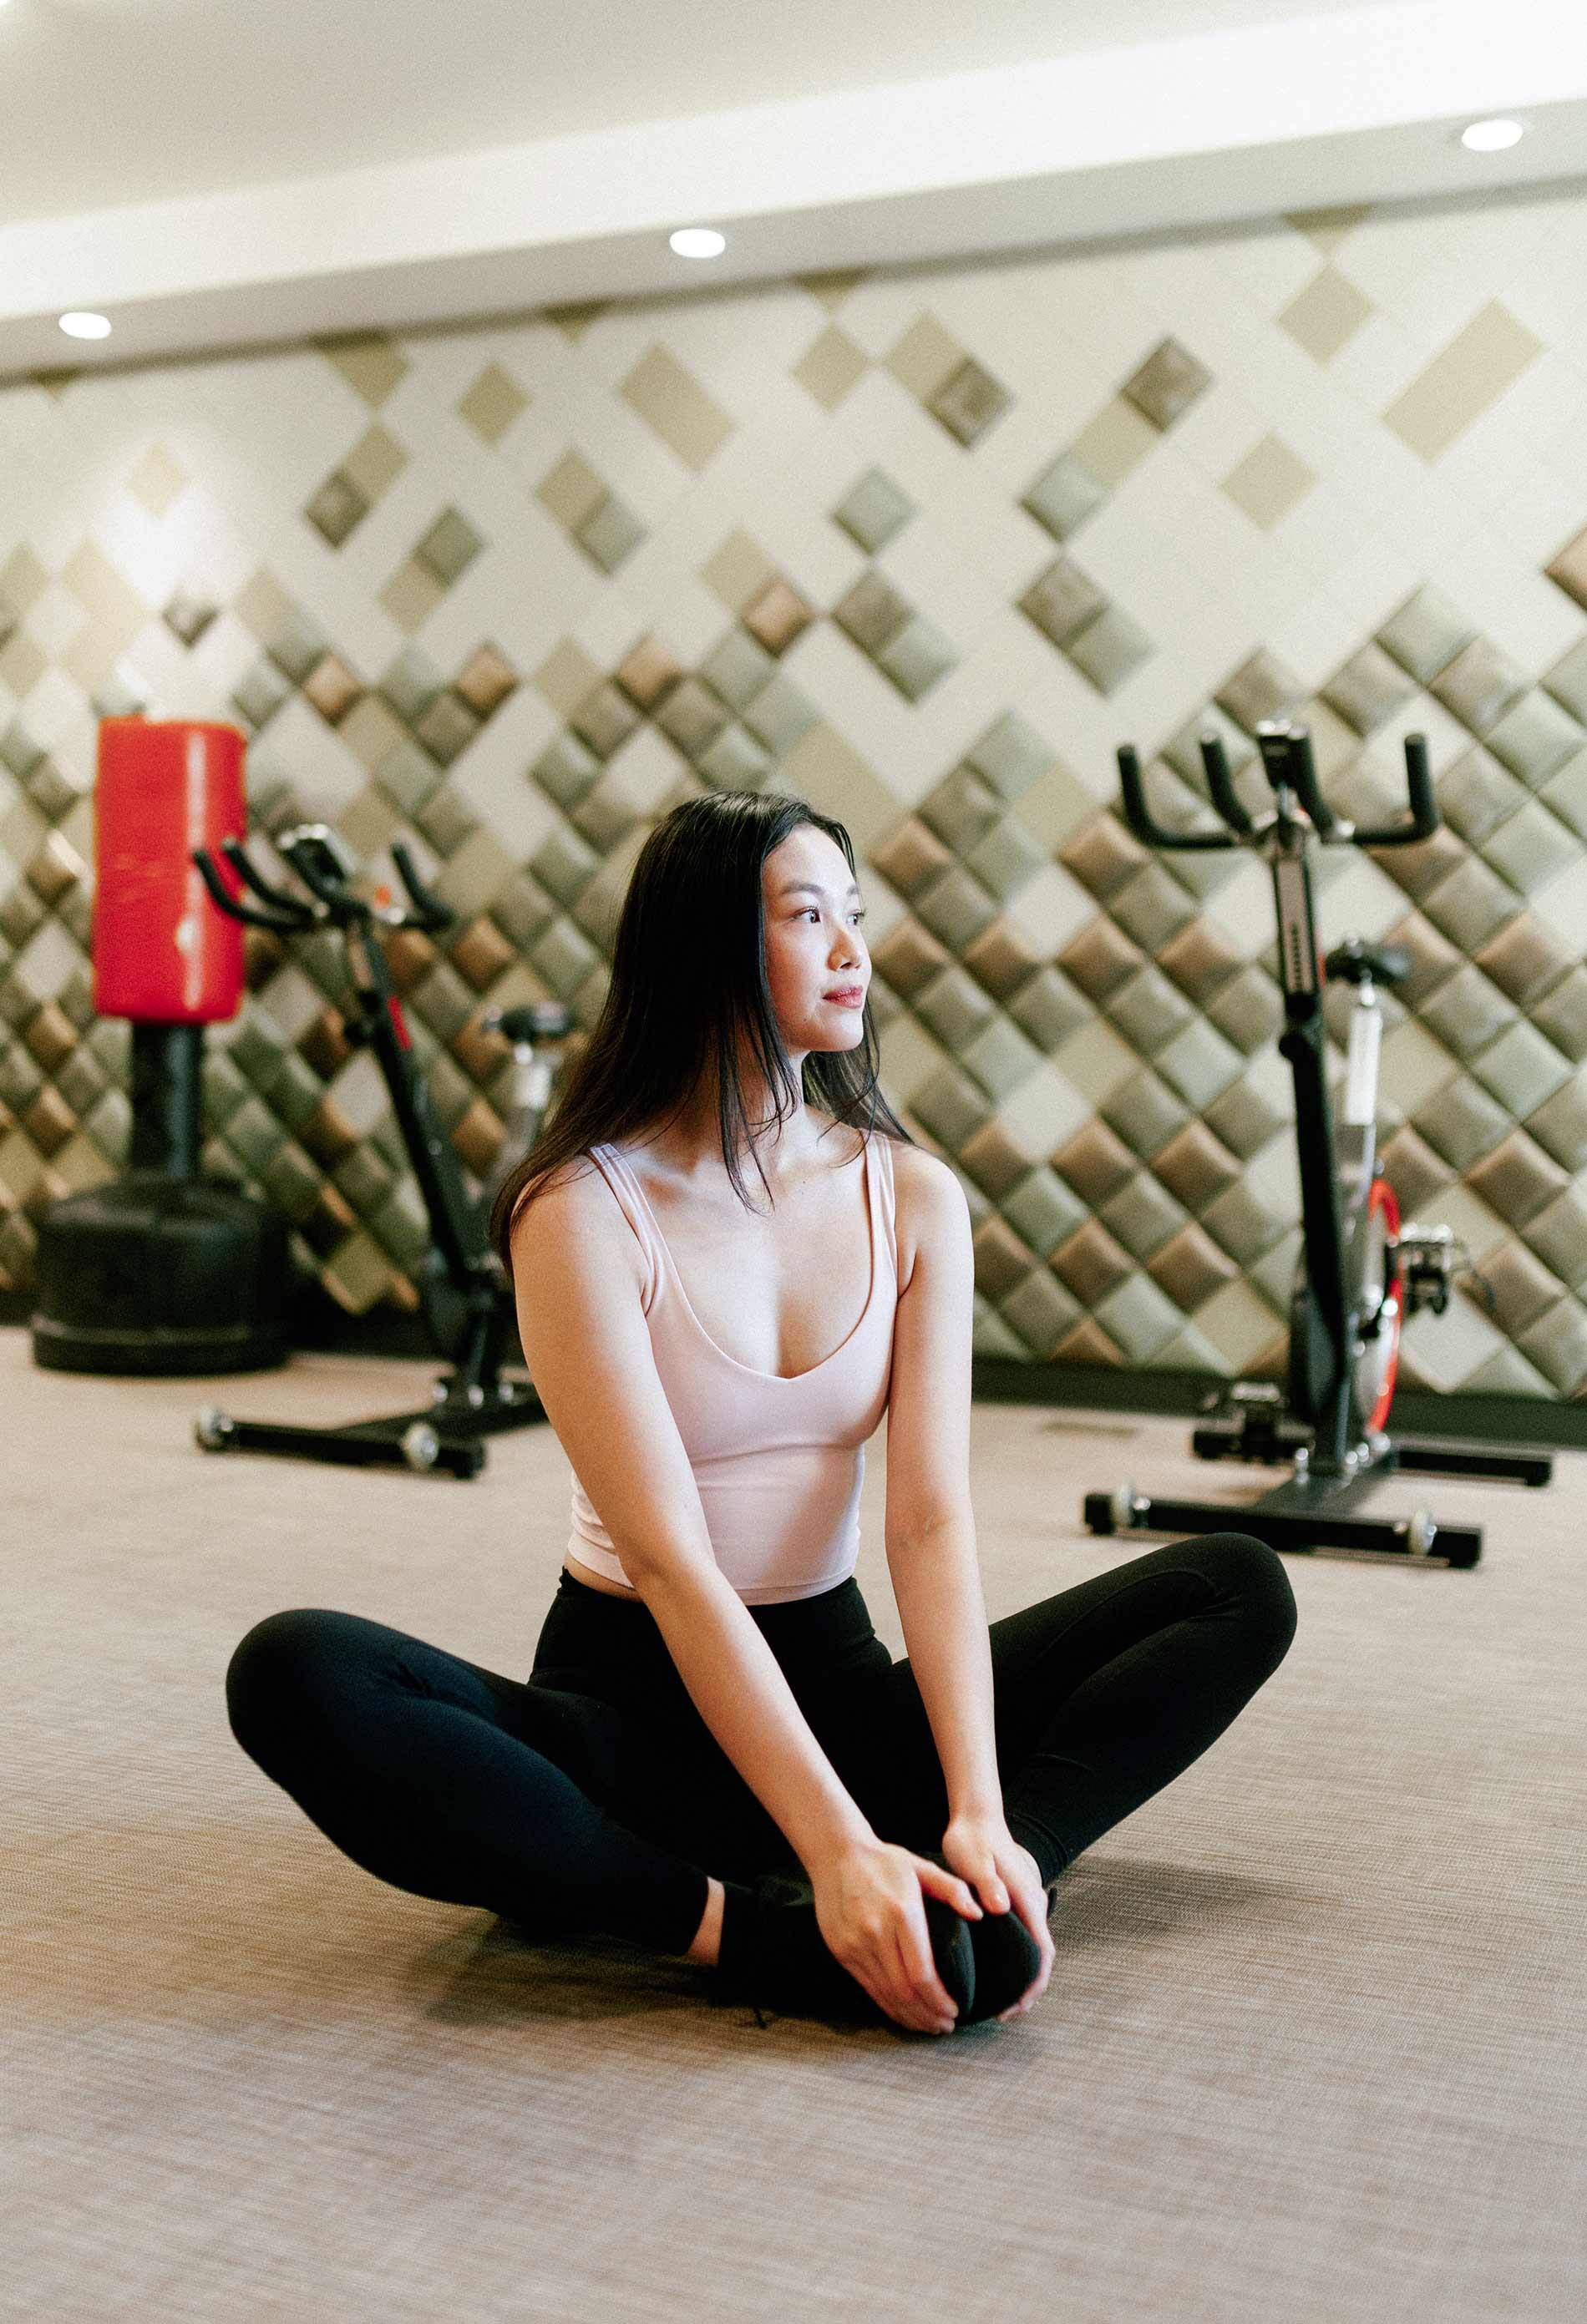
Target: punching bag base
(162, 1275)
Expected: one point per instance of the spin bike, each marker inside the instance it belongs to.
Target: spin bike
(1360, 1273)
(463, 1291)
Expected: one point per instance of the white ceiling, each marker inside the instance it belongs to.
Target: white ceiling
(221, 172)
(103, 102)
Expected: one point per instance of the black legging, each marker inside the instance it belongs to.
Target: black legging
(593, 1796)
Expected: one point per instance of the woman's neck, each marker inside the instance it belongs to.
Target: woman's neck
(690, 1145)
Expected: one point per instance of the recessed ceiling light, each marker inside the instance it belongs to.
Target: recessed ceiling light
(1491, 136)
(698, 242)
(86, 326)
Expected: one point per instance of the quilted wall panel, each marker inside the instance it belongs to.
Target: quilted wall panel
(923, 546)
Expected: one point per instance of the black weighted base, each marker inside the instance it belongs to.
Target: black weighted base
(158, 1276)
(445, 1438)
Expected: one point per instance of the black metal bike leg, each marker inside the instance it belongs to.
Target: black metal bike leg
(1430, 1454)
(392, 1443)
(1298, 1516)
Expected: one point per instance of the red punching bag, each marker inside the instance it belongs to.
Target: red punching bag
(161, 955)
(163, 1270)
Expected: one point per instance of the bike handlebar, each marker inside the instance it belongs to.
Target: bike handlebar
(1221, 784)
(1287, 760)
(1139, 816)
(429, 911)
(321, 860)
(1425, 818)
(291, 919)
(277, 897)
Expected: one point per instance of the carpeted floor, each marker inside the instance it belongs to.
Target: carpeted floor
(1314, 2049)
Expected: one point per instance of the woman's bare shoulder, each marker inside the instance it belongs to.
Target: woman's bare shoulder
(923, 1177)
(926, 1200)
(574, 1204)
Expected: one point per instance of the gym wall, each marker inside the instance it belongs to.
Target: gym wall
(923, 546)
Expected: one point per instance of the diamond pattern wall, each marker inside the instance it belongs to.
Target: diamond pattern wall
(922, 547)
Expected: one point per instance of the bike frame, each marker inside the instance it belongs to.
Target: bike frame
(1320, 1368)
(1337, 1449)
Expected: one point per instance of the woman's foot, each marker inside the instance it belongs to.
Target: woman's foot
(1006, 1957)
(773, 1955)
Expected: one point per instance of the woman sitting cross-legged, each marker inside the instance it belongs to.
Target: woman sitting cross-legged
(713, 1755)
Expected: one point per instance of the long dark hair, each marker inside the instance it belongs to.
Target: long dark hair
(689, 981)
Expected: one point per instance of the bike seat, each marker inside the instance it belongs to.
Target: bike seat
(1353, 963)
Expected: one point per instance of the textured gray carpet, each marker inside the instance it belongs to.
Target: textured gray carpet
(1313, 2048)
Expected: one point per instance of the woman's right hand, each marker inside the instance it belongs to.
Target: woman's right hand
(870, 1908)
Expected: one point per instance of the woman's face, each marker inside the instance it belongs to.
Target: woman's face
(816, 962)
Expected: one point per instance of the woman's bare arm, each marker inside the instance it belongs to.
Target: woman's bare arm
(930, 1526)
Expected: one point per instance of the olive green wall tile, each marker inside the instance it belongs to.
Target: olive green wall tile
(955, 907)
(999, 1058)
(1011, 755)
(1558, 1235)
(1535, 738)
(1521, 1288)
(1525, 959)
(874, 510)
(1480, 686)
(1143, 1215)
(1139, 1317)
(1248, 1009)
(1110, 650)
(1515, 1179)
(1047, 1008)
(1151, 908)
(1557, 1344)
(1044, 1211)
(1240, 1223)
(1533, 847)
(1470, 905)
(1560, 1125)
(1040, 1311)
(1566, 794)
(1145, 1113)
(1459, 1121)
(1148, 1011)
(779, 715)
(950, 1105)
(1239, 1324)
(1561, 1015)
(1521, 1068)
(611, 534)
(1199, 1064)
(1467, 1012)
(1506, 1372)
(1096, 1061)
(1273, 1274)
(955, 1007)
(1064, 495)
(961, 810)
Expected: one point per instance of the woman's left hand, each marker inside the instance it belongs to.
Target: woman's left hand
(1005, 1876)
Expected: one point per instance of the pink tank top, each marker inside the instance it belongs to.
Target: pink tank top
(779, 1462)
